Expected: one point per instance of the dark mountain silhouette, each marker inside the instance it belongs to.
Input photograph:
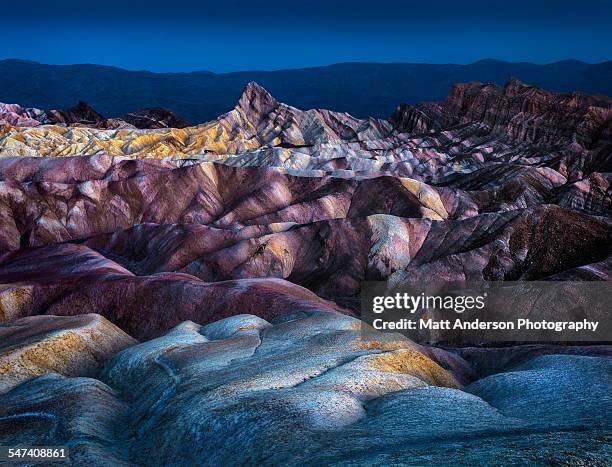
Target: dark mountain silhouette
(362, 89)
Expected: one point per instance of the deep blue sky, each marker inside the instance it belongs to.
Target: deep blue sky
(230, 35)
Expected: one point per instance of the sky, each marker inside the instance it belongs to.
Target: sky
(234, 35)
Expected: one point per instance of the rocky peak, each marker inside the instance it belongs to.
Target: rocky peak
(255, 99)
(81, 114)
(156, 117)
(514, 87)
(14, 114)
(517, 110)
(532, 114)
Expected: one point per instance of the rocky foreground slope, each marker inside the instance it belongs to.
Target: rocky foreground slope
(306, 388)
(268, 219)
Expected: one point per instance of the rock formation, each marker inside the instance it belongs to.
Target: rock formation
(308, 388)
(154, 118)
(83, 115)
(14, 114)
(260, 226)
(71, 346)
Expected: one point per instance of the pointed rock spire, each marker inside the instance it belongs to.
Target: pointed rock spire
(514, 86)
(255, 99)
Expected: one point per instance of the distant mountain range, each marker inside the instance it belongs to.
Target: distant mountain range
(362, 89)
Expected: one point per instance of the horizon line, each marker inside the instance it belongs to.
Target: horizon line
(13, 59)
